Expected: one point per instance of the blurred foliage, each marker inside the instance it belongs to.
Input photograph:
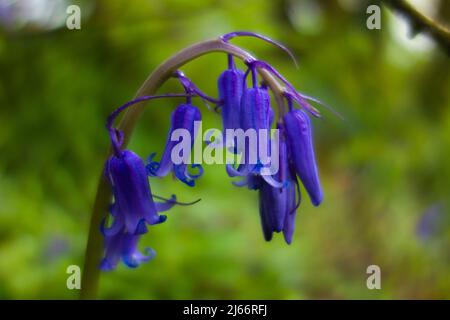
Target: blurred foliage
(385, 168)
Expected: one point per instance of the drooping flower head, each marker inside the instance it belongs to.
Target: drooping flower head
(133, 206)
(183, 118)
(243, 107)
(182, 126)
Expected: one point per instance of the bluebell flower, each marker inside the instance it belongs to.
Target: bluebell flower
(301, 149)
(278, 205)
(133, 205)
(256, 114)
(278, 209)
(230, 88)
(183, 117)
(123, 246)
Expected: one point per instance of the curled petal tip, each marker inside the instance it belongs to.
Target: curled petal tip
(198, 174)
(151, 253)
(232, 172)
(152, 167)
(162, 218)
(130, 262)
(180, 174)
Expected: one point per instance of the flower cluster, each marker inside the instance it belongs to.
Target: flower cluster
(246, 107)
(245, 104)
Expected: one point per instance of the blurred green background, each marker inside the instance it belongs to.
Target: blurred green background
(385, 169)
